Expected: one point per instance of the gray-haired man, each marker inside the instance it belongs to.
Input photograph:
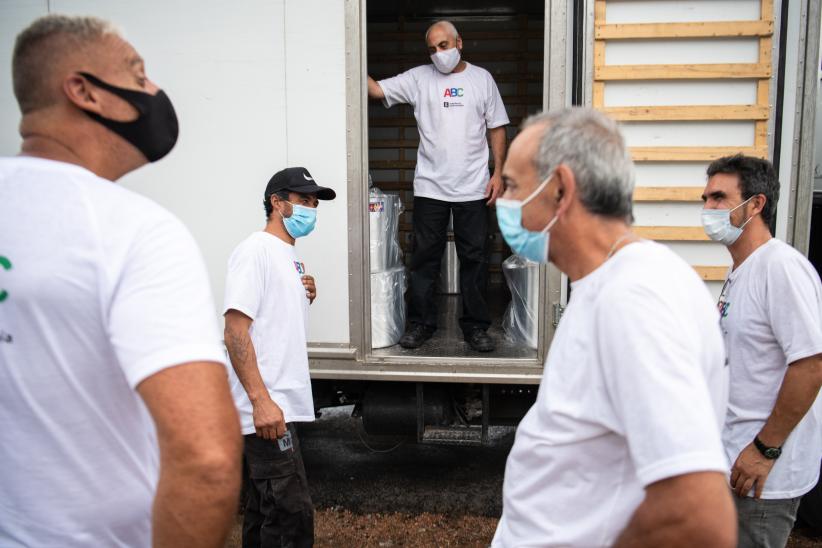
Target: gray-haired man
(622, 445)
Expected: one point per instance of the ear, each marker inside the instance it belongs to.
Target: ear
(758, 203)
(566, 188)
(81, 94)
(459, 42)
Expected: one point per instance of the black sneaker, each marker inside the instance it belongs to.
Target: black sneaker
(481, 341)
(415, 335)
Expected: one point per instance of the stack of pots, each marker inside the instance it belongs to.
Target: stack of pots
(520, 322)
(388, 281)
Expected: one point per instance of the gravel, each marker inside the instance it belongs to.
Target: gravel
(376, 492)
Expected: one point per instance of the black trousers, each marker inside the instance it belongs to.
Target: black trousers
(471, 238)
(278, 508)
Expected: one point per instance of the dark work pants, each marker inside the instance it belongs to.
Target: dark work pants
(278, 508)
(471, 237)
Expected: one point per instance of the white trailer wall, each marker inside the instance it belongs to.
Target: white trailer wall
(258, 85)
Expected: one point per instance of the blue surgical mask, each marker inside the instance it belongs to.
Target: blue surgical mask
(525, 243)
(718, 227)
(302, 221)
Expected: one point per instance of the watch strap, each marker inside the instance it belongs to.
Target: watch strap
(767, 452)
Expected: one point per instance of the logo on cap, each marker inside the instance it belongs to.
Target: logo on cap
(307, 178)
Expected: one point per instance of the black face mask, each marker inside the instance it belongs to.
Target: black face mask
(155, 130)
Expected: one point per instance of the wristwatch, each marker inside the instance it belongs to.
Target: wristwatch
(771, 453)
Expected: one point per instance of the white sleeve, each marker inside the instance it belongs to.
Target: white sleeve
(162, 312)
(401, 88)
(651, 364)
(794, 299)
(244, 284)
(495, 115)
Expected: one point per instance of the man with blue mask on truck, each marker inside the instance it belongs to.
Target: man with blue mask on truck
(771, 317)
(267, 296)
(459, 110)
(622, 446)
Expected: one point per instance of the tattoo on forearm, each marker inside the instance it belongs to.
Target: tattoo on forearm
(238, 348)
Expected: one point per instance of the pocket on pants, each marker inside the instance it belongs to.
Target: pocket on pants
(266, 460)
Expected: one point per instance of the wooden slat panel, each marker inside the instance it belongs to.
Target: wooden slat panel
(720, 71)
(687, 112)
(672, 233)
(668, 193)
(712, 273)
(723, 29)
(691, 154)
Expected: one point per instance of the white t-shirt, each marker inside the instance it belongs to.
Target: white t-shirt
(772, 317)
(453, 112)
(633, 392)
(264, 283)
(102, 288)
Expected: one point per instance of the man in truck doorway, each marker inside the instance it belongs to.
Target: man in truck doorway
(622, 446)
(771, 317)
(267, 294)
(458, 110)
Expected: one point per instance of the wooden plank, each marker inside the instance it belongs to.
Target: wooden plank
(392, 164)
(672, 233)
(394, 36)
(691, 154)
(393, 143)
(598, 88)
(409, 121)
(719, 71)
(712, 273)
(719, 29)
(763, 87)
(475, 57)
(668, 193)
(499, 77)
(766, 10)
(687, 112)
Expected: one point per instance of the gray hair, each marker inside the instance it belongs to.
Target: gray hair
(449, 26)
(591, 145)
(42, 47)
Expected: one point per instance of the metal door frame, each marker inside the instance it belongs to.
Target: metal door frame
(356, 361)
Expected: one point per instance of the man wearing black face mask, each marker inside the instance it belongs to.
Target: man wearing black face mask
(107, 314)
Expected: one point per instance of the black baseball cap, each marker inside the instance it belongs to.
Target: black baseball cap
(297, 179)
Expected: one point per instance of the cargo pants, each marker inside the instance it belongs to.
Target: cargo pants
(278, 508)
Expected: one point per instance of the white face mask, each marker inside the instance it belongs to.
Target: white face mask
(718, 227)
(447, 60)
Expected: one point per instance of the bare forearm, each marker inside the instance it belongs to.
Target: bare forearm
(198, 434)
(692, 510)
(194, 506)
(498, 143)
(244, 361)
(799, 390)
(374, 89)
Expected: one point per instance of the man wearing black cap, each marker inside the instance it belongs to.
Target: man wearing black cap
(266, 322)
